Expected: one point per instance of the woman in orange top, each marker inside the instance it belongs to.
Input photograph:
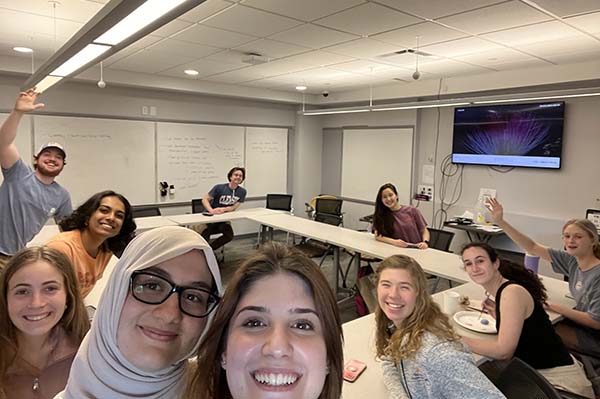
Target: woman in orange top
(101, 226)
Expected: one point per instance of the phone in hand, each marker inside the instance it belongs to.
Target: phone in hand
(207, 213)
(353, 369)
(412, 246)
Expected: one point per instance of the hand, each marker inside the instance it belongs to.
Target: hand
(422, 245)
(218, 211)
(26, 101)
(496, 210)
(489, 306)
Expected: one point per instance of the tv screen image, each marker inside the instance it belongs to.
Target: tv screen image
(528, 135)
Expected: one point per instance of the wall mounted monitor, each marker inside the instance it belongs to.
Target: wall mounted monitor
(526, 135)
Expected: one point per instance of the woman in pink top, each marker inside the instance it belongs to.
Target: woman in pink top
(42, 323)
(396, 224)
(101, 226)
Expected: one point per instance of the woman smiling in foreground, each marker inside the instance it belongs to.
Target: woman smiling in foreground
(276, 335)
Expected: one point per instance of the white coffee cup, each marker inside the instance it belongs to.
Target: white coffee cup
(451, 302)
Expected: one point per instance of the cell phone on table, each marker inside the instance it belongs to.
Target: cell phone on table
(207, 213)
(353, 369)
(412, 246)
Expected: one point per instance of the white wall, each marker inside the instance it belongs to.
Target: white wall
(537, 201)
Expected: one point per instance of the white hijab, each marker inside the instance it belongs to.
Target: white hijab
(100, 370)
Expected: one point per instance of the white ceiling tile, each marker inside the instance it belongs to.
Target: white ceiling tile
(451, 68)
(149, 61)
(563, 8)
(575, 57)
(460, 47)
(204, 68)
(318, 58)
(588, 22)
(72, 10)
(271, 48)
(546, 31)
(554, 50)
(406, 60)
(277, 67)
(428, 32)
(205, 10)
(363, 48)
(262, 23)
(209, 36)
(368, 19)
(231, 57)
(171, 28)
(494, 57)
(437, 8)
(144, 42)
(178, 47)
(363, 67)
(497, 17)
(17, 25)
(523, 64)
(305, 10)
(312, 36)
(233, 77)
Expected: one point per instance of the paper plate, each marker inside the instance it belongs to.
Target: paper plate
(473, 321)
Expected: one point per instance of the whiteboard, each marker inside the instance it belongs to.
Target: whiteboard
(373, 157)
(22, 141)
(103, 154)
(193, 157)
(266, 160)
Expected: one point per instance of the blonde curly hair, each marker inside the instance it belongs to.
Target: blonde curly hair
(404, 341)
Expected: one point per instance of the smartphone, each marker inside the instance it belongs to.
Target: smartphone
(412, 246)
(207, 213)
(353, 369)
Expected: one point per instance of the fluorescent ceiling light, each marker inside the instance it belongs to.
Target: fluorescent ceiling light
(191, 72)
(86, 55)
(143, 16)
(301, 88)
(336, 111)
(512, 100)
(46, 83)
(418, 106)
(23, 49)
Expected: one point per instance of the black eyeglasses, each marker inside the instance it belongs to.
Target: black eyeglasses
(153, 289)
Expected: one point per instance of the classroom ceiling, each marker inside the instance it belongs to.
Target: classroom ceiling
(332, 45)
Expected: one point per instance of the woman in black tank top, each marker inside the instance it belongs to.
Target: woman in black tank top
(524, 328)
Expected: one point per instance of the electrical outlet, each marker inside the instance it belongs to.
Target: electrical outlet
(423, 189)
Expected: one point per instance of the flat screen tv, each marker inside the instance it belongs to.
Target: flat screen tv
(528, 135)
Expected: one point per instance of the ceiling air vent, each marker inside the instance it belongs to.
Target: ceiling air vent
(255, 59)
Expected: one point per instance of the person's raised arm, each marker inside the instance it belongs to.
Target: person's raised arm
(523, 241)
(8, 132)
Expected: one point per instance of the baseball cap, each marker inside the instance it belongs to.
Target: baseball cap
(51, 144)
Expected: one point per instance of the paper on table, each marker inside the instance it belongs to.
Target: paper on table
(490, 228)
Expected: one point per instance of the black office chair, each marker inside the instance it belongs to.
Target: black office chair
(439, 239)
(329, 210)
(144, 210)
(197, 206)
(519, 381)
(279, 202)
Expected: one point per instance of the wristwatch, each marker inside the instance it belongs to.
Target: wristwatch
(426, 242)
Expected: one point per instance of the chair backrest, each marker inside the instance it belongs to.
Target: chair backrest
(440, 239)
(519, 380)
(328, 218)
(143, 211)
(332, 206)
(279, 202)
(513, 256)
(197, 206)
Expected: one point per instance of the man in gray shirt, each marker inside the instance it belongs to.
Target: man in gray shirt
(28, 198)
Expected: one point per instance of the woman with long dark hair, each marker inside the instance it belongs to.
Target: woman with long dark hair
(99, 227)
(396, 224)
(524, 328)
